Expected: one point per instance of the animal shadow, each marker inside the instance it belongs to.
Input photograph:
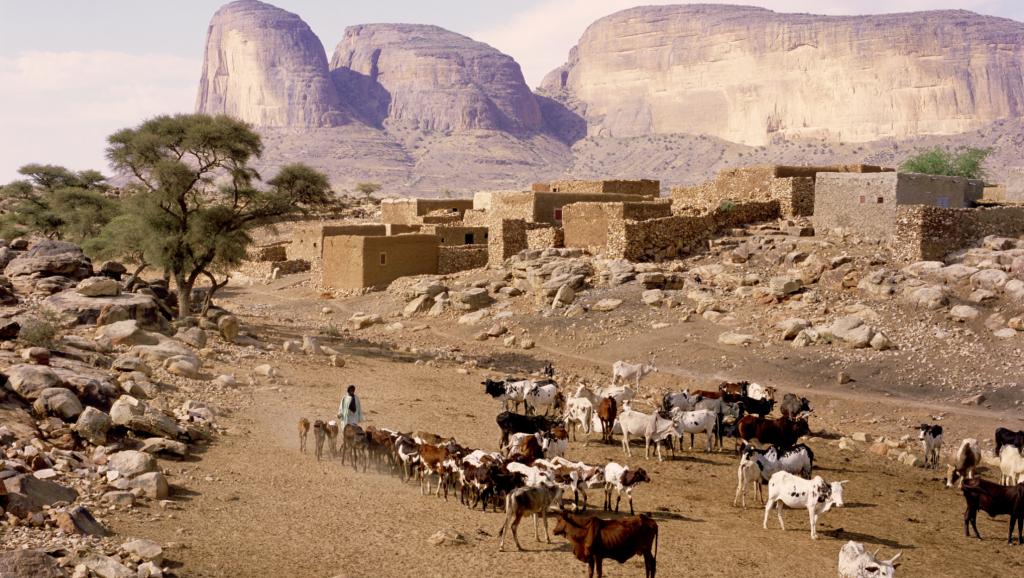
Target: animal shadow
(841, 534)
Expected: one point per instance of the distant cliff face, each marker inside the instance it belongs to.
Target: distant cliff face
(748, 74)
(265, 66)
(433, 79)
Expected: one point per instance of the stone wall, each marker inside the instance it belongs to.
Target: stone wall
(412, 211)
(452, 259)
(276, 252)
(643, 187)
(586, 225)
(476, 218)
(540, 236)
(354, 262)
(794, 194)
(929, 233)
(453, 235)
(506, 237)
(511, 206)
(676, 236)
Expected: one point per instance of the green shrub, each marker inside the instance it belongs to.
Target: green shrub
(939, 161)
(40, 330)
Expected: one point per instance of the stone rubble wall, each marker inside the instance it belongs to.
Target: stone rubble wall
(643, 187)
(672, 237)
(452, 259)
(539, 236)
(506, 237)
(928, 233)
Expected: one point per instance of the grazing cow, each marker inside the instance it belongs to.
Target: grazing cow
(931, 443)
(621, 479)
(303, 433)
(578, 413)
(1011, 464)
(543, 396)
(693, 422)
(623, 371)
(855, 562)
(782, 432)
(793, 406)
(319, 434)
(513, 423)
(817, 495)
(355, 446)
(1009, 437)
(607, 412)
(594, 539)
(758, 391)
(758, 466)
(967, 457)
(507, 391)
(534, 500)
(332, 437)
(994, 500)
(681, 399)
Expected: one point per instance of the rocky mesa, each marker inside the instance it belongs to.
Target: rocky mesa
(751, 75)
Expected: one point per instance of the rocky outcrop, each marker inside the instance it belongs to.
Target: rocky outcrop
(750, 75)
(265, 66)
(433, 79)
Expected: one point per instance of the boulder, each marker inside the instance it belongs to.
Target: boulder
(164, 446)
(881, 342)
(311, 345)
(192, 336)
(1014, 289)
(37, 493)
(652, 297)
(229, 328)
(991, 279)
(956, 273)
(472, 299)
(112, 313)
(363, 320)
(421, 304)
(93, 425)
(565, 296)
(291, 346)
(147, 550)
(607, 305)
(58, 401)
(152, 485)
(183, 365)
(733, 338)
(88, 310)
(129, 363)
(964, 313)
(107, 567)
(17, 563)
(131, 463)
(98, 287)
(447, 537)
(1005, 333)
(118, 498)
(36, 355)
(783, 285)
(126, 332)
(49, 258)
(164, 350)
(29, 381)
(79, 520)
(9, 329)
(930, 298)
(136, 415)
(792, 327)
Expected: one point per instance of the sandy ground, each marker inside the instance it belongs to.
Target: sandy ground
(258, 507)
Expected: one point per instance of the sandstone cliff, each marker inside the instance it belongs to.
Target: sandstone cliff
(748, 74)
(433, 79)
(265, 66)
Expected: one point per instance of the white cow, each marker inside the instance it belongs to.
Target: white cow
(1011, 464)
(534, 475)
(817, 495)
(757, 466)
(542, 396)
(931, 443)
(855, 562)
(758, 391)
(579, 412)
(632, 422)
(692, 422)
(621, 480)
(625, 372)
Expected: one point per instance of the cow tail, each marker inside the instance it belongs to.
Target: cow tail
(656, 532)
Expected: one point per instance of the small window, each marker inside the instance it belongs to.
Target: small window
(558, 215)
(383, 258)
(469, 238)
(880, 200)
(863, 199)
(942, 202)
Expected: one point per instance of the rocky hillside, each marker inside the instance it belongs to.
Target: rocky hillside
(423, 110)
(750, 75)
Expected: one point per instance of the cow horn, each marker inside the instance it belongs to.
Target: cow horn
(843, 483)
(896, 557)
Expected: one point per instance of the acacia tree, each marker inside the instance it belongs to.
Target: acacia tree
(197, 198)
(939, 161)
(56, 203)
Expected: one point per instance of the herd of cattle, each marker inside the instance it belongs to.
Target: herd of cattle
(530, 474)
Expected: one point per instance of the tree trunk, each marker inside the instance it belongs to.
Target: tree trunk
(184, 288)
(134, 279)
(214, 287)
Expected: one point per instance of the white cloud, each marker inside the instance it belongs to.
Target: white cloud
(539, 37)
(59, 107)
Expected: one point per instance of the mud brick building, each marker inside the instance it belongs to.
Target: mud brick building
(867, 203)
(642, 188)
(357, 261)
(423, 211)
(586, 225)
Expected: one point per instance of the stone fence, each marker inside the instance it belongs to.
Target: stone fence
(672, 237)
(455, 258)
(929, 233)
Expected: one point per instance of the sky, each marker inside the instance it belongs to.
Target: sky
(74, 71)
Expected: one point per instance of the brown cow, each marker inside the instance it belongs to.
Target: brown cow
(303, 433)
(594, 539)
(782, 432)
(355, 445)
(432, 463)
(319, 434)
(607, 411)
(332, 437)
(528, 451)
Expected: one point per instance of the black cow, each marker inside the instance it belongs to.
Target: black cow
(513, 423)
(1008, 437)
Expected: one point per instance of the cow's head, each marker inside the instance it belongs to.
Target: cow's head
(633, 477)
(881, 568)
(952, 475)
(493, 387)
(835, 497)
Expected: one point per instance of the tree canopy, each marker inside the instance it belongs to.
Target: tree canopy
(195, 197)
(57, 203)
(965, 162)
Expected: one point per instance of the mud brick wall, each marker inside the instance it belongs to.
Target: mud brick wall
(506, 237)
(642, 187)
(452, 259)
(267, 253)
(672, 237)
(928, 233)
